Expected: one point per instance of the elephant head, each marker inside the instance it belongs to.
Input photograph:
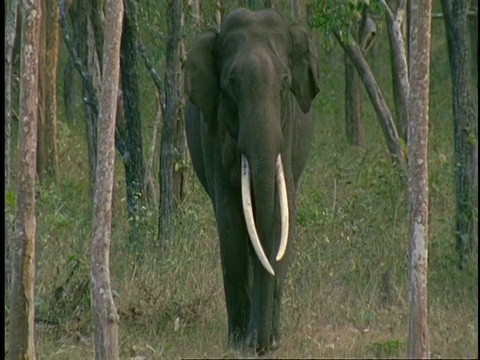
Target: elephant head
(252, 85)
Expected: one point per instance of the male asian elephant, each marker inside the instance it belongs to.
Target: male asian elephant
(249, 129)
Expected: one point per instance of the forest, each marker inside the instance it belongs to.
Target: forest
(101, 196)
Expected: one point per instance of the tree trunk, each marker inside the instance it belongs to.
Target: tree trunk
(294, 10)
(218, 14)
(22, 297)
(10, 32)
(84, 54)
(134, 163)
(418, 346)
(51, 55)
(270, 4)
(364, 33)
(42, 117)
(353, 105)
(169, 154)
(180, 174)
(105, 316)
(47, 162)
(376, 97)
(395, 16)
(473, 33)
(465, 118)
(69, 91)
(195, 10)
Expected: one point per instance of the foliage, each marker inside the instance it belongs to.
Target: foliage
(339, 16)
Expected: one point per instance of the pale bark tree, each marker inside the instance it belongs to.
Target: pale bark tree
(418, 346)
(465, 117)
(195, 11)
(218, 14)
(336, 19)
(10, 32)
(375, 94)
(364, 33)
(294, 9)
(23, 277)
(105, 314)
(169, 152)
(396, 13)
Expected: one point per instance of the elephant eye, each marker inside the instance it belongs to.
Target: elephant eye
(232, 88)
(286, 81)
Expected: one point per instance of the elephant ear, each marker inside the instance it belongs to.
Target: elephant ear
(305, 68)
(201, 82)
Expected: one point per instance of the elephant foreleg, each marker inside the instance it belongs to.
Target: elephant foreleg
(235, 266)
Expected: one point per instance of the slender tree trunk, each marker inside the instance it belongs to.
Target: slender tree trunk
(83, 51)
(353, 105)
(418, 342)
(473, 33)
(364, 33)
(105, 314)
(271, 4)
(180, 174)
(218, 14)
(47, 158)
(465, 117)
(10, 32)
(195, 10)
(69, 91)
(395, 15)
(23, 278)
(294, 10)
(134, 166)
(376, 97)
(51, 55)
(149, 185)
(42, 117)
(168, 152)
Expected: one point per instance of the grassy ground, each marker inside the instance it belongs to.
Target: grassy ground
(346, 292)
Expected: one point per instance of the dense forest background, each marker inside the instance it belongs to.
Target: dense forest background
(346, 294)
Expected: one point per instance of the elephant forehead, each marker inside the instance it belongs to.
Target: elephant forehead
(267, 43)
(242, 18)
(262, 27)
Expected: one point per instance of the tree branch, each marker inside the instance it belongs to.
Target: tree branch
(91, 99)
(376, 97)
(153, 73)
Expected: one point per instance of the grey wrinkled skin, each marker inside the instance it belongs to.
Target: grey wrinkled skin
(249, 89)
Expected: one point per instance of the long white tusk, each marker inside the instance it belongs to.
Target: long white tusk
(282, 194)
(248, 214)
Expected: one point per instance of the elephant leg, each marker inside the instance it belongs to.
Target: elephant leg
(281, 271)
(235, 265)
(260, 324)
(275, 337)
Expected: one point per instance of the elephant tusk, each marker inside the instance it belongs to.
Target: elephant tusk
(282, 194)
(248, 214)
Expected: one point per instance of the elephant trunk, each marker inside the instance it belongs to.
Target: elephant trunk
(265, 189)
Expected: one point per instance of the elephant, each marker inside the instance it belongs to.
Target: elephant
(249, 128)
